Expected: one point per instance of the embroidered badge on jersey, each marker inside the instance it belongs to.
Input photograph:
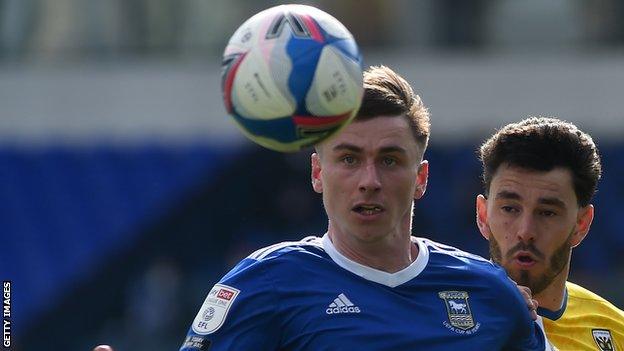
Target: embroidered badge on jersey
(460, 319)
(602, 337)
(215, 308)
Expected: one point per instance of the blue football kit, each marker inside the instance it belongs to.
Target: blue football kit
(305, 295)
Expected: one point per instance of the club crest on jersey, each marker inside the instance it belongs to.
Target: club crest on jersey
(215, 308)
(460, 317)
(602, 337)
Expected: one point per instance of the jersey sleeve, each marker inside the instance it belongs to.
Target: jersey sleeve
(239, 313)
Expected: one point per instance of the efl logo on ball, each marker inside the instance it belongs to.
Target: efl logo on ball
(292, 76)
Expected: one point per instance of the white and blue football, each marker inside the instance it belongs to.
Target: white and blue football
(292, 76)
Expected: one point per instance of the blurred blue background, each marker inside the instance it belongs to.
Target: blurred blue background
(126, 191)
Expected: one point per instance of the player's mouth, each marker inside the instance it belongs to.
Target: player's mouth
(368, 210)
(525, 259)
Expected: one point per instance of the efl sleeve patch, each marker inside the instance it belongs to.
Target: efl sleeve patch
(214, 310)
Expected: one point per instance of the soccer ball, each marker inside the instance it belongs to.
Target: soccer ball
(292, 76)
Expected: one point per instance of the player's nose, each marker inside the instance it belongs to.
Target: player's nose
(527, 228)
(369, 179)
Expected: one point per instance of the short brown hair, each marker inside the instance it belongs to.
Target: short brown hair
(541, 144)
(388, 94)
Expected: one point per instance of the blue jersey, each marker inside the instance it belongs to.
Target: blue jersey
(305, 295)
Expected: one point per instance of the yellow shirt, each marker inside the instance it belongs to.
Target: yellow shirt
(586, 321)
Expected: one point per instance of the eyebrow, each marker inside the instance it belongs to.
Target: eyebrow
(391, 149)
(510, 195)
(357, 149)
(347, 147)
(507, 195)
(553, 201)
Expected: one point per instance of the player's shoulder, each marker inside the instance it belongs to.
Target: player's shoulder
(286, 249)
(443, 252)
(590, 300)
(276, 259)
(578, 292)
(452, 259)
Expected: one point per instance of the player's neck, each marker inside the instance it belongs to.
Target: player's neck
(389, 257)
(551, 298)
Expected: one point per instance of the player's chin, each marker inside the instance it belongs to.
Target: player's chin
(524, 277)
(369, 231)
(514, 273)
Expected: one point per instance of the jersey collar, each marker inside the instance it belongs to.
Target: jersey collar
(554, 315)
(389, 279)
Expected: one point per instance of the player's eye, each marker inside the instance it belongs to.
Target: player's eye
(548, 213)
(509, 209)
(388, 161)
(348, 160)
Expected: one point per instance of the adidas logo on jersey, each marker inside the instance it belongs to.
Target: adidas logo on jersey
(342, 304)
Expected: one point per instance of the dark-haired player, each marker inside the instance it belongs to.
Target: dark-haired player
(539, 177)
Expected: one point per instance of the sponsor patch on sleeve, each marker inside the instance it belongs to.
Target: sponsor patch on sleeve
(194, 342)
(214, 310)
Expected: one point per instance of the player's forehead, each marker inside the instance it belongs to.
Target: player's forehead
(380, 134)
(547, 187)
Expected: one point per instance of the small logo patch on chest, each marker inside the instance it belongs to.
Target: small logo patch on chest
(460, 318)
(602, 337)
(342, 304)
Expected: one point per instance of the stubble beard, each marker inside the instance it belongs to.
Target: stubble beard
(556, 263)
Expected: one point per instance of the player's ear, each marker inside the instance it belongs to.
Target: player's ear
(421, 179)
(584, 220)
(482, 216)
(315, 161)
